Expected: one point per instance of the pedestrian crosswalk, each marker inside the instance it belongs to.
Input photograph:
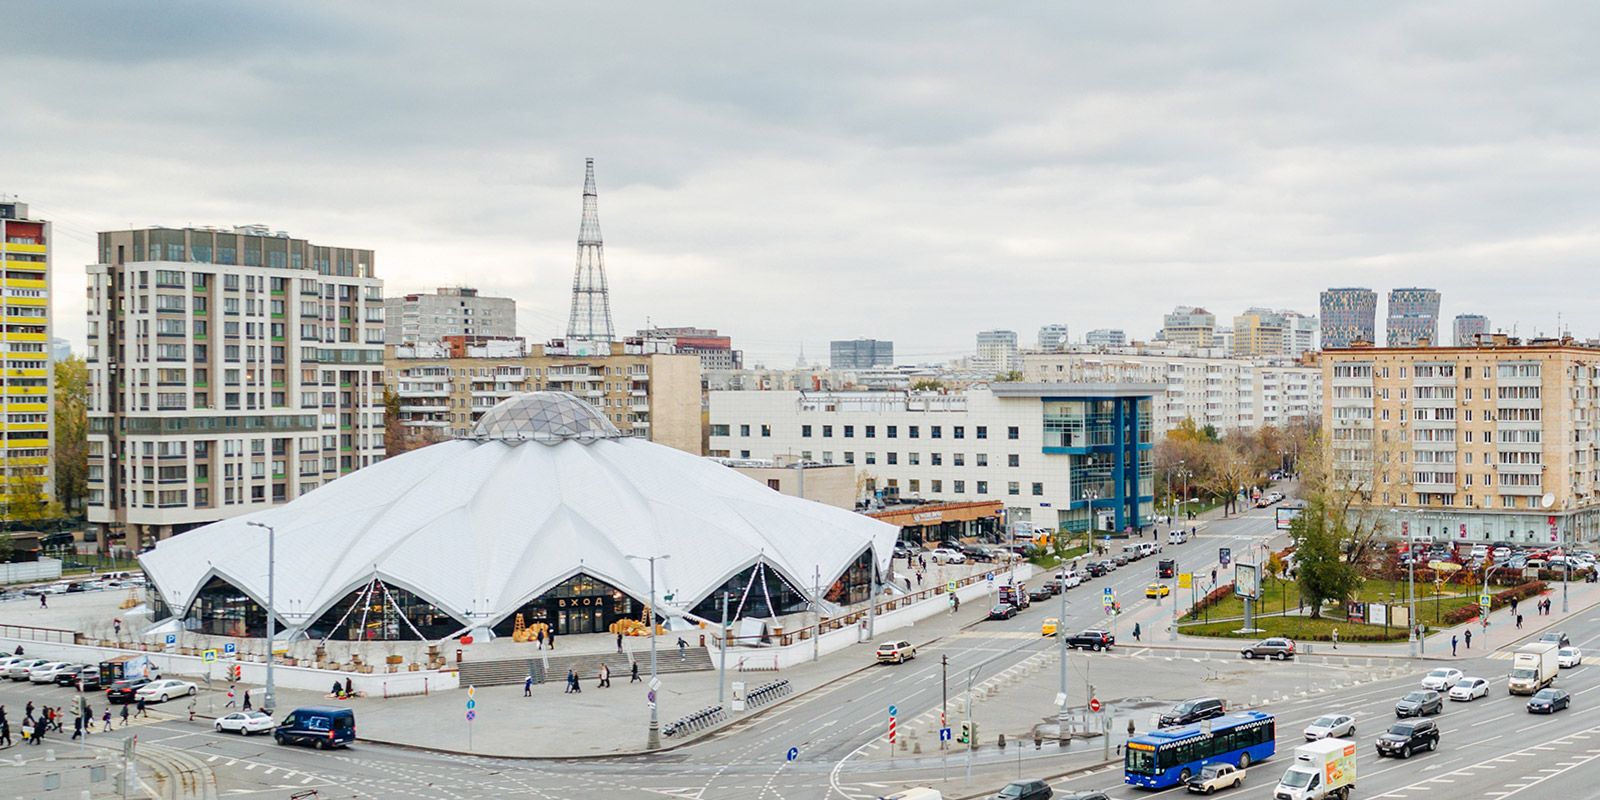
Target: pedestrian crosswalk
(1501, 655)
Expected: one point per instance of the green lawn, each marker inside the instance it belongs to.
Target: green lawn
(1052, 560)
(1430, 611)
(1299, 629)
(1278, 595)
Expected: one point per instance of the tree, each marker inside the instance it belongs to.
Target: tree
(1013, 376)
(1226, 469)
(927, 385)
(8, 547)
(72, 432)
(399, 437)
(24, 500)
(1320, 567)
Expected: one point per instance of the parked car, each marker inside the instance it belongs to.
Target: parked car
(1549, 701)
(1404, 738)
(1040, 594)
(1216, 776)
(1559, 637)
(1091, 639)
(46, 673)
(165, 689)
(1098, 568)
(1194, 710)
(1441, 679)
(1569, 657)
(976, 552)
(946, 555)
(320, 726)
(18, 671)
(1468, 689)
(1002, 611)
(123, 691)
(896, 652)
(1026, 790)
(1331, 726)
(1277, 647)
(244, 723)
(1419, 704)
(1120, 560)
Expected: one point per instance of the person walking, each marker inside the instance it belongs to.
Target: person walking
(191, 709)
(571, 680)
(1468, 635)
(105, 720)
(551, 639)
(349, 688)
(42, 602)
(1454, 640)
(5, 733)
(1513, 605)
(1519, 622)
(619, 642)
(124, 715)
(142, 711)
(27, 711)
(683, 649)
(40, 728)
(527, 686)
(246, 700)
(605, 676)
(1136, 631)
(1336, 638)
(635, 678)
(77, 728)
(88, 719)
(539, 640)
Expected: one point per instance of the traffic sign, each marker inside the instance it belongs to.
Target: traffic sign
(650, 696)
(950, 587)
(471, 704)
(1224, 555)
(172, 638)
(471, 715)
(208, 656)
(989, 577)
(655, 684)
(1483, 602)
(229, 648)
(472, 691)
(893, 712)
(1094, 704)
(794, 752)
(944, 734)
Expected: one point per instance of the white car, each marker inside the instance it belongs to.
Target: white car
(18, 671)
(1215, 776)
(1441, 679)
(1569, 657)
(165, 689)
(946, 555)
(1331, 726)
(1468, 689)
(46, 673)
(245, 723)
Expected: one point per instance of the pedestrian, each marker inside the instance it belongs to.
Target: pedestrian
(1519, 622)
(1336, 638)
(116, 625)
(106, 720)
(146, 714)
(577, 683)
(540, 639)
(550, 640)
(27, 711)
(635, 678)
(44, 604)
(683, 649)
(527, 686)
(619, 642)
(77, 728)
(1454, 640)
(191, 709)
(1213, 576)
(88, 719)
(571, 681)
(5, 734)
(1513, 605)
(349, 688)
(605, 676)
(124, 715)
(39, 730)
(1131, 729)
(231, 702)
(1136, 631)
(246, 700)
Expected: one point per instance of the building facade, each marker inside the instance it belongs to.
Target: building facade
(1349, 315)
(714, 350)
(1466, 443)
(1260, 333)
(829, 484)
(1059, 456)
(1106, 337)
(27, 454)
(1228, 394)
(229, 371)
(1053, 337)
(451, 311)
(1299, 333)
(860, 353)
(1413, 318)
(1467, 328)
(1191, 326)
(997, 352)
(641, 386)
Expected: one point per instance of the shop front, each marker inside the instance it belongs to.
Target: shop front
(580, 604)
(931, 523)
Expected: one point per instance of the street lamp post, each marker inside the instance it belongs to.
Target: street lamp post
(653, 740)
(268, 703)
(1061, 648)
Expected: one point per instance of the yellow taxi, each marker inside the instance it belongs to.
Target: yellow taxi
(1048, 628)
(1157, 590)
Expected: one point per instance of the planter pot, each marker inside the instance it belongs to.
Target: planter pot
(413, 667)
(395, 660)
(394, 668)
(366, 669)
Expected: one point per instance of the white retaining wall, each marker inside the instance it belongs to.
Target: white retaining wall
(45, 569)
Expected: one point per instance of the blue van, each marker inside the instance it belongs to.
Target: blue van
(319, 726)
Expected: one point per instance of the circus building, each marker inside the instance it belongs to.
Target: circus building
(544, 513)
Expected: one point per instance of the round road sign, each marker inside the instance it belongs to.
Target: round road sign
(472, 715)
(794, 752)
(1094, 704)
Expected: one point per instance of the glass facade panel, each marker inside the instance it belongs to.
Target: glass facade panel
(579, 604)
(220, 609)
(378, 611)
(759, 592)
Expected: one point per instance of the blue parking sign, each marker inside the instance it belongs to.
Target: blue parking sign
(229, 648)
(172, 638)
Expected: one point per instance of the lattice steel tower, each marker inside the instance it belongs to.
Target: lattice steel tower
(591, 304)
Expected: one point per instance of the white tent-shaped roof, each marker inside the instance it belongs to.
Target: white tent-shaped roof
(545, 489)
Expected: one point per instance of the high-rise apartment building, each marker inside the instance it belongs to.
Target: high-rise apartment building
(1466, 443)
(1349, 315)
(997, 352)
(1467, 328)
(1052, 337)
(1413, 318)
(1106, 337)
(1260, 333)
(230, 370)
(451, 311)
(1299, 333)
(714, 350)
(860, 353)
(26, 385)
(1191, 326)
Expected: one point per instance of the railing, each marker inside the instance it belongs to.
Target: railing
(412, 692)
(56, 635)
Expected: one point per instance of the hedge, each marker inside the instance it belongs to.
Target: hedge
(1520, 592)
(1212, 598)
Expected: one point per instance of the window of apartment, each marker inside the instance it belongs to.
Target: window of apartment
(766, 430)
(805, 431)
(936, 485)
(872, 458)
(849, 456)
(744, 430)
(849, 431)
(983, 432)
(891, 431)
(827, 431)
(914, 459)
(894, 458)
(872, 431)
(934, 431)
(959, 487)
(911, 431)
(719, 430)
(959, 459)
(1012, 432)
(983, 487)
(1038, 489)
(1013, 488)
(827, 456)
(915, 485)
(960, 431)
(1013, 460)
(937, 459)
(983, 460)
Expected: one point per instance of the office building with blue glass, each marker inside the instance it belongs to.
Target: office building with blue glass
(1058, 456)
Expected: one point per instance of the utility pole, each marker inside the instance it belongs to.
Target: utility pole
(972, 727)
(1061, 690)
(653, 738)
(816, 605)
(269, 702)
(1172, 630)
(722, 646)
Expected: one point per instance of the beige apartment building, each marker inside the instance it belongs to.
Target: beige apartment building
(641, 385)
(1490, 442)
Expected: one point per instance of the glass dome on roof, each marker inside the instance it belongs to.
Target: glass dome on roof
(547, 417)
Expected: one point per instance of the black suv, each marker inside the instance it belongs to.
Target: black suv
(1404, 738)
(1193, 711)
(1559, 637)
(1026, 790)
(1097, 568)
(1092, 639)
(123, 691)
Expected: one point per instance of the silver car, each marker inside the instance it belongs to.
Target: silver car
(19, 670)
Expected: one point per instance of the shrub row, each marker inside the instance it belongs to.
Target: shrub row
(1212, 598)
(1500, 599)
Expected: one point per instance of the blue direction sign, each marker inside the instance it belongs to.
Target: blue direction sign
(894, 712)
(944, 734)
(471, 704)
(794, 753)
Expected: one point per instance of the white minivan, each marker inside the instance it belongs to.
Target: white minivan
(1069, 576)
(1177, 536)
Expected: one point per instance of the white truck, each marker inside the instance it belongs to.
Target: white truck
(1321, 770)
(1533, 667)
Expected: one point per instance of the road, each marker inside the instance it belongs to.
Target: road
(1489, 746)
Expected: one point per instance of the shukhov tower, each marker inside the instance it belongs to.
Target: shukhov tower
(591, 304)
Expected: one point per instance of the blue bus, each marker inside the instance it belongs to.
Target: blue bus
(1170, 756)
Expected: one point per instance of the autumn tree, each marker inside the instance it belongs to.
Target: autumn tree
(1320, 567)
(71, 432)
(399, 437)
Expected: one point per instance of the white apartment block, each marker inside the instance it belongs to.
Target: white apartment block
(1227, 393)
(229, 371)
(1050, 453)
(997, 352)
(451, 311)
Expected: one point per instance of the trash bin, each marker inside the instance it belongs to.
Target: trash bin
(458, 655)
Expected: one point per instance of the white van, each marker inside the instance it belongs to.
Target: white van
(1177, 536)
(1148, 549)
(1069, 576)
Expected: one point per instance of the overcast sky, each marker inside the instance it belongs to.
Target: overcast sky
(790, 173)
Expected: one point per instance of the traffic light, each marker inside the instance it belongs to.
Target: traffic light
(234, 673)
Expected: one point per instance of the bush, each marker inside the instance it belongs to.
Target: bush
(1502, 599)
(1212, 598)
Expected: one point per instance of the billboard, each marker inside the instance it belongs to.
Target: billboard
(1245, 580)
(1287, 514)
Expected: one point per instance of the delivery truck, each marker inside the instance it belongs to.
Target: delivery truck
(1533, 667)
(1322, 769)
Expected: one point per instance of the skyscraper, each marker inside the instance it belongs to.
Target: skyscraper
(1052, 337)
(1413, 317)
(997, 352)
(860, 353)
(1300, 332)
(26, 387)
(1190, 325)
(1467, 328)
(590, 320)
(1349, 315)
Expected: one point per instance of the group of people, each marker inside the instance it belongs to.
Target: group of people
(38, 722)
(574, 684)
(342, 691)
